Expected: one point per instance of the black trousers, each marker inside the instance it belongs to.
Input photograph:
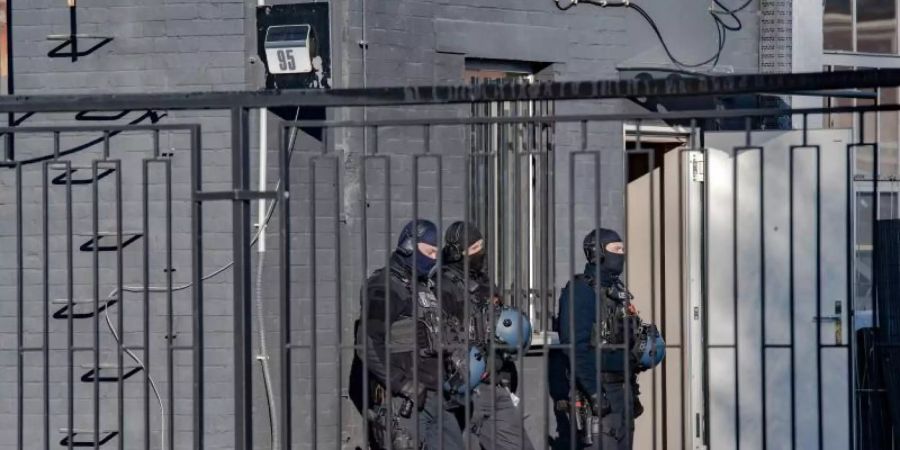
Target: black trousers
(496, 420)
(616, 427)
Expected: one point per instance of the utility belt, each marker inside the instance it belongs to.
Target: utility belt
(587, 416)
(401, 439)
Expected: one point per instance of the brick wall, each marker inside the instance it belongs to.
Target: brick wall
(203, 45)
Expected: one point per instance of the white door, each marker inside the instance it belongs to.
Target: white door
(767, 282)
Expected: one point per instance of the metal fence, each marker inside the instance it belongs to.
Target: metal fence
(704, 222)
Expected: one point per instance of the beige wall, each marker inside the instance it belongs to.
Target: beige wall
(664, 384)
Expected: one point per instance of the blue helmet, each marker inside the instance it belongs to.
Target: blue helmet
(649, 348)
(455, 380)
(513, 328)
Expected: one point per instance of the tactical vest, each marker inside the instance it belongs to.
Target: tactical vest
(479, 313)
(614, 316)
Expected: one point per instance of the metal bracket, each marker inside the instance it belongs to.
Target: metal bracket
(697, 167)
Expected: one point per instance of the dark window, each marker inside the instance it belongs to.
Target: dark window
(876, 26)
(838, 25)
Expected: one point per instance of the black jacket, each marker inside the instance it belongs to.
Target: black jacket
(388, 294)
(476, 289)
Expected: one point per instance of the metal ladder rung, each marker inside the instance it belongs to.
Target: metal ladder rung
(63, 313)
(127, 372)
(128, 237)
(104, 437)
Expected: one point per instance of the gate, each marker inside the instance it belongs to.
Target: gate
(147, 314)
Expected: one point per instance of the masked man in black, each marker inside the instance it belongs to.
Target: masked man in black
(496, 420)
(599, 286)
(399, 300)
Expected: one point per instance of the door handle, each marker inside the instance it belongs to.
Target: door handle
(836, 319)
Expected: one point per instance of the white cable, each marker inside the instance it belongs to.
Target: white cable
(136, 289)
(138, 361)
(263, 356)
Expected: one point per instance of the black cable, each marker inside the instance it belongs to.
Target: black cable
(665, 46)
(722, 27)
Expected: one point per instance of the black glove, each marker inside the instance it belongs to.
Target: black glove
(636, 395)
(413, 396)
(600, 404)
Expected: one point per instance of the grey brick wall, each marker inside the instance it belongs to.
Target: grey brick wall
(203, 45)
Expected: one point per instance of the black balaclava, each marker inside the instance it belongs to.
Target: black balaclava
(457, 242)
(407, 252)
(611, 264)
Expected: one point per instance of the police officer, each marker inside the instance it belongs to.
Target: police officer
(611, 404)
(494, 408)
(390, 294)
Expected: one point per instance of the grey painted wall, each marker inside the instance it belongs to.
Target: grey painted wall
(169, 45)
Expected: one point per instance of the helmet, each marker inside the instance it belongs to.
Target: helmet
(649, 348)
(455, 382)
(513, 328)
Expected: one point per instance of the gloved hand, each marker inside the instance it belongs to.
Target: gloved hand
(638, 408)
(600, 404)
(414, 397)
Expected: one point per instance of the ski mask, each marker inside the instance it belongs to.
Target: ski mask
(611, 264)
(417, 232)
(457, 242)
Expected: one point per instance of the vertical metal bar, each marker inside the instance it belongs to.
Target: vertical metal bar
(120, 268)
(876, 196)
(70, 293)
(573, 439)
(414, 284)
(20, 301)
(762, 291)
(45, 235)
(439, 271)
(467, 312)
(145, 206)
(73, 29)
(313, 296)
(105, 145)
(364, 303)
(338, 202)
(518, 289)
(735, 285)
(818, 291)
(544, 291)
(791, 293)
(197, 274)
(628, 369)
(155, 143)
(170, 328)
(599, 309)
(243, 387)
(851, 273)
(95, 208)
(652, 163)
(284, 245)
(683, 287)
(661, 191)
(704, 285)
(387, 285)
